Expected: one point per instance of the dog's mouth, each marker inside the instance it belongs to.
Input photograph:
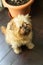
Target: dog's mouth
(25, 29)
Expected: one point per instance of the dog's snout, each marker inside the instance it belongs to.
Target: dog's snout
(24, 30)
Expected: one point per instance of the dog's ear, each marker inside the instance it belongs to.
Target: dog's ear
(11, 25)
(27, 16)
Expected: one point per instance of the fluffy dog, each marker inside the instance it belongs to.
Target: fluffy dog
(19, 32)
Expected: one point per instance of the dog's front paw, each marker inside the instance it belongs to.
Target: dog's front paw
(30, 46)
(17, 51)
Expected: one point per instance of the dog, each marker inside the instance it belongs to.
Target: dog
(19, 32)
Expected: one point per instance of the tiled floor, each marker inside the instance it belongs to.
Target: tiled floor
(27, 57)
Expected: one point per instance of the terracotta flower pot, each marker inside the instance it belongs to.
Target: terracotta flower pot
(21, 9)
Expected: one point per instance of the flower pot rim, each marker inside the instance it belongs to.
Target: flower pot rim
(17, 7)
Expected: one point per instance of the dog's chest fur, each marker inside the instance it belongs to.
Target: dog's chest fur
(16, 40)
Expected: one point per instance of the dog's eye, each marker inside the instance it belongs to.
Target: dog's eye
(27, 24)
(24, 24)
(20, 27)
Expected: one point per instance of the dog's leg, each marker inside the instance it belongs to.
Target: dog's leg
(30, 45)
(16, 49)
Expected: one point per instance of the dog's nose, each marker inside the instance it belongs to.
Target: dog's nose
(22, 31)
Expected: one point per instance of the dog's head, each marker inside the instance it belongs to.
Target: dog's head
(23, 24)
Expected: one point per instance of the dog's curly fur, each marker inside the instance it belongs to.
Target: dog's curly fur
(14, 36)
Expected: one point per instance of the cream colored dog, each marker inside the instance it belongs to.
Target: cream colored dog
(19, 32)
